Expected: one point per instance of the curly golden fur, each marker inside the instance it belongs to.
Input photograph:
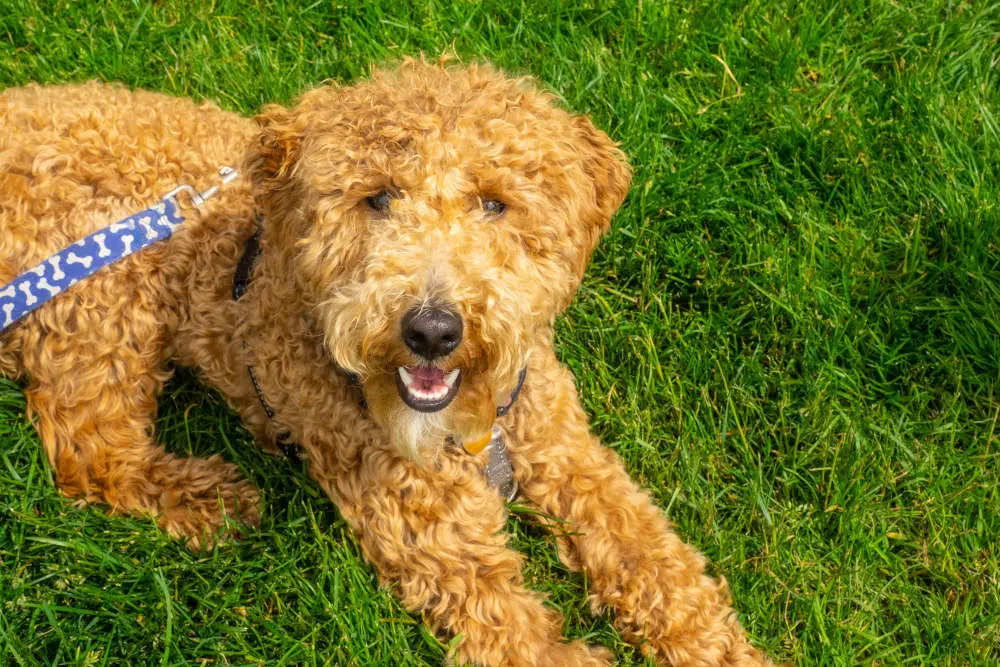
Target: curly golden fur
(334, 279)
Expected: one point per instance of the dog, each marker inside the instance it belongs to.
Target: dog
(400, 249)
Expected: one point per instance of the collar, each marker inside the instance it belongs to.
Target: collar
(498, 470)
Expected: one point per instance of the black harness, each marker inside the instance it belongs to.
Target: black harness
(241, 282)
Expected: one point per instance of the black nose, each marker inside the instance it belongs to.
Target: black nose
(432, 332)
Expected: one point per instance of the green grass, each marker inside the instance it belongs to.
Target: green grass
(791, 335)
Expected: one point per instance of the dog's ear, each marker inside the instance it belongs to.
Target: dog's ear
(609, 175)
(274, 152)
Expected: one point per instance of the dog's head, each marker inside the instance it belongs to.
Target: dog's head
(435, 221)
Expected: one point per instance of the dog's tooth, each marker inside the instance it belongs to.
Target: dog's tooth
(405, 376)
(450, 378)
(428, 395)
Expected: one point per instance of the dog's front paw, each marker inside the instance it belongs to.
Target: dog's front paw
(577, 653)
(211, 505)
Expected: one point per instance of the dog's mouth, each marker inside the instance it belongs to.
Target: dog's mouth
(427, 388)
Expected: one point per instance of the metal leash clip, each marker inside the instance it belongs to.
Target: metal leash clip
(226, 174)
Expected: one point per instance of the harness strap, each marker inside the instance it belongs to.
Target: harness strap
(86, 257)
(241, 282)
(505, 408)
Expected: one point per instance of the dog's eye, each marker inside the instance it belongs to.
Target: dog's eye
(494, 207)
(380, 202)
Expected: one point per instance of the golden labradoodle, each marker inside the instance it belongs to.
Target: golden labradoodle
(419, 233)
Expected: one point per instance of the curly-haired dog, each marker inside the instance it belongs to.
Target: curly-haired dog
(419, 232)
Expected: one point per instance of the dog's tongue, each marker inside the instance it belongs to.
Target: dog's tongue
(426, 378)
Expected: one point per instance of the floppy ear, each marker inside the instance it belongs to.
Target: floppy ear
(607, 169)
(273, 153)
(270, 164)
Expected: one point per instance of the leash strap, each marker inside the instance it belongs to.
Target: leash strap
(86, 257)
(92, 253)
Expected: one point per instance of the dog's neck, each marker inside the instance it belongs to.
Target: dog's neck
(275, 333)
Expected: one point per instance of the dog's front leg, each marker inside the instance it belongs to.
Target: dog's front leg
(435, 532)
(637, 566)
(95, 374)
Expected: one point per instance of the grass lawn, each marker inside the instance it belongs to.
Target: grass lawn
(791, 335)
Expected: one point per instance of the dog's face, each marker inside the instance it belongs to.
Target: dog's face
(435, 221)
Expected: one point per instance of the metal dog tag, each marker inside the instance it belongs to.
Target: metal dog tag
(498, 471)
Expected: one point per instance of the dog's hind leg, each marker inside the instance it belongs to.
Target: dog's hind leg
(94, 368)
(609, 528)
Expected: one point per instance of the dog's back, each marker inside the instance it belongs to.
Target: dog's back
(76, 158)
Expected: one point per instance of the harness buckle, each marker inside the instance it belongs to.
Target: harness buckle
(226, 175)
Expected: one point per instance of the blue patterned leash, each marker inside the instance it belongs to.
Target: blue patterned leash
(87, 256)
